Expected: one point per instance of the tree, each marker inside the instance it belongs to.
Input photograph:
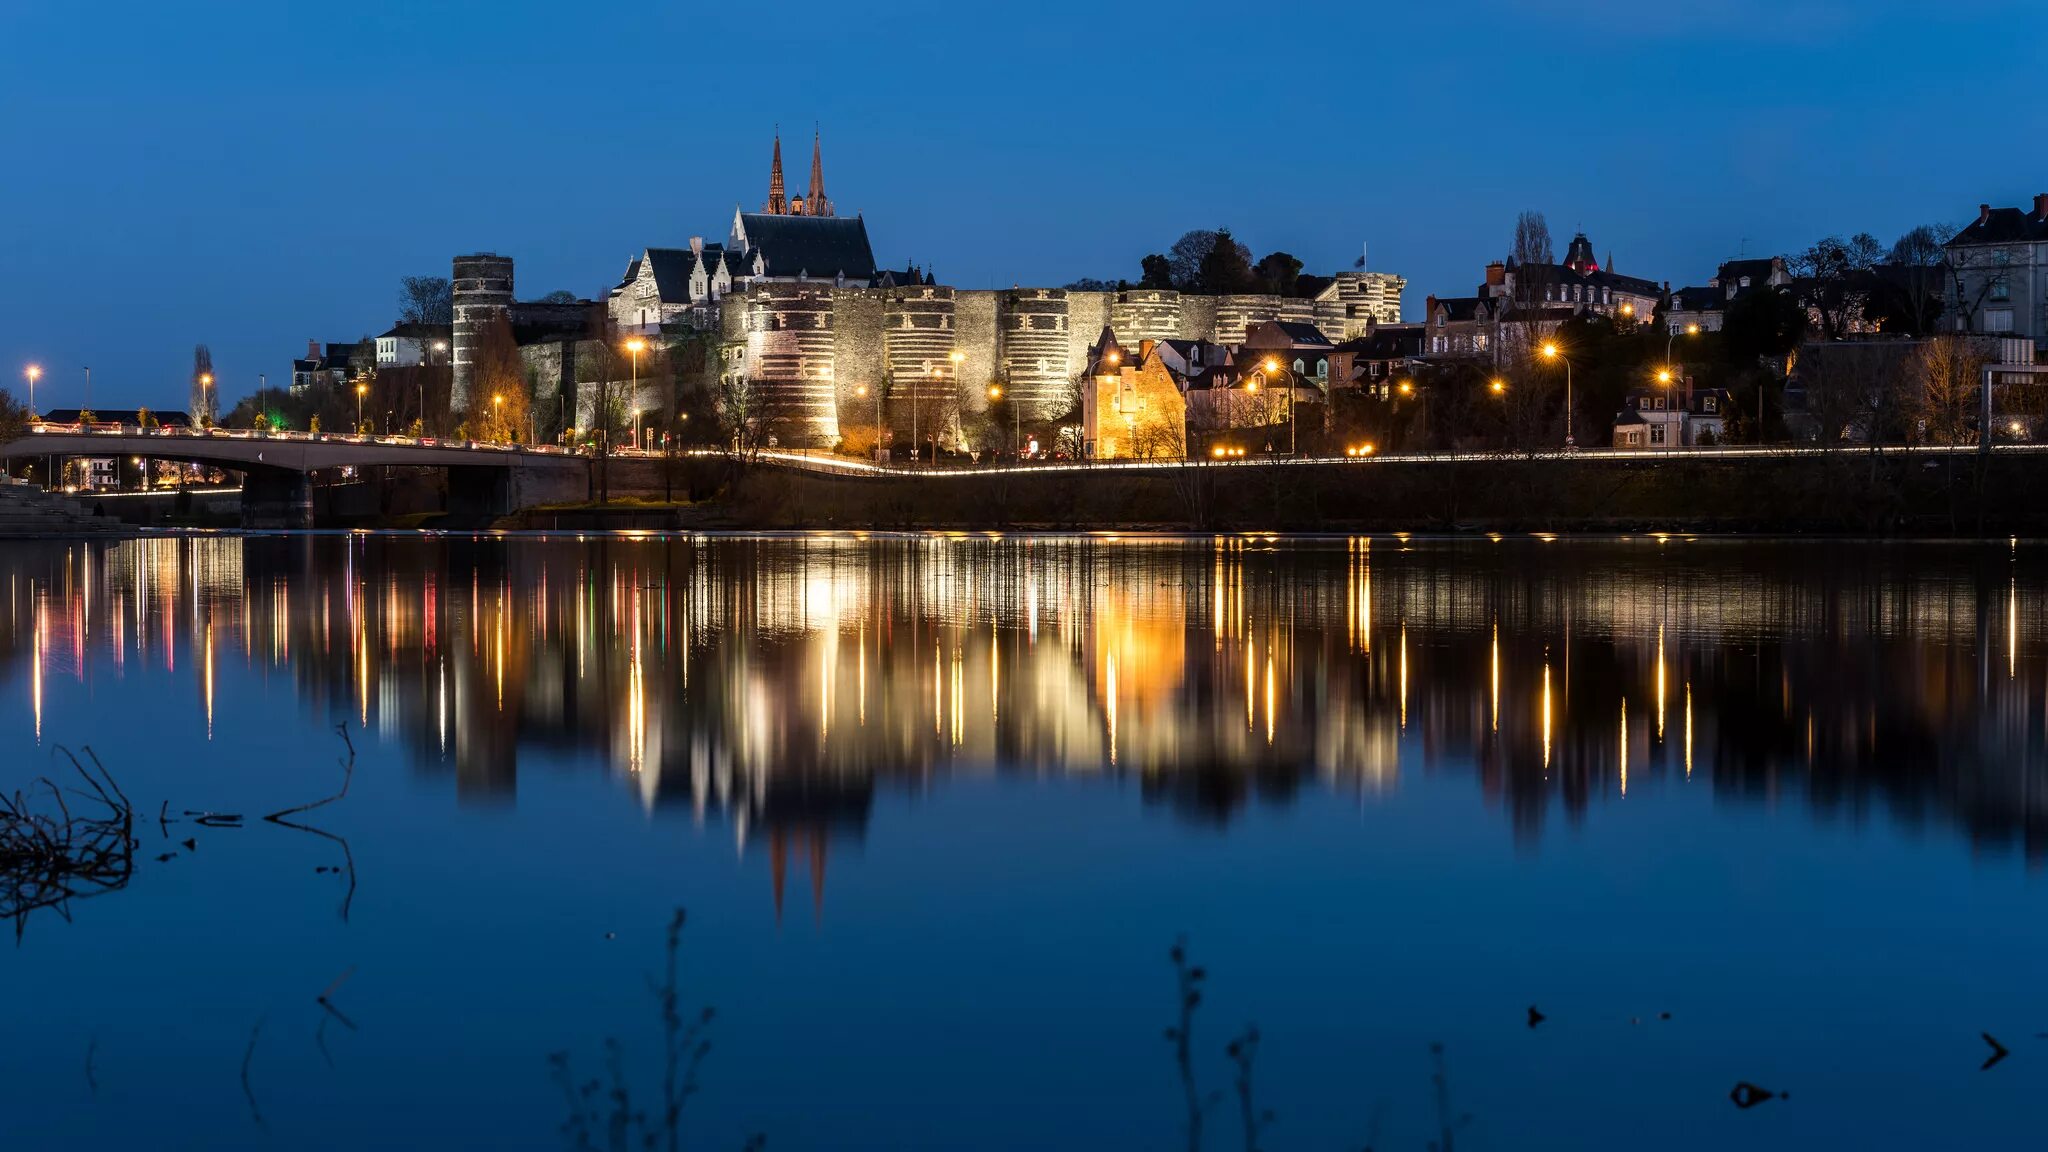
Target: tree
(203, 385)
(560, 296)
(1227, 269)
(13, 417)
(1764, 325)
(1532, 241)
(499, 402)
(1278, 274)
(1836, 275)
(1951, 371)
(1157, 272)
(1089, 284)
(425, 300)
(1184, 259)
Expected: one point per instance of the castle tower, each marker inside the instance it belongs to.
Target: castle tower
(481, 291)
(778, 200)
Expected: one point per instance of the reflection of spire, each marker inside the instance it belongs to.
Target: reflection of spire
(778, 867)
(817, 875)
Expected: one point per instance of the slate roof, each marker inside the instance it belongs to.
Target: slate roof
(671, 268)
(820, 247)
(1758, 271)
(2003, 226)
(1459, 309)
(1388, 342)
(418, 332)
(1295, 333)
(1697, 299)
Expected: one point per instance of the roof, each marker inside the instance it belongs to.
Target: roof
(2002, 226)
(1387, 342)
(418, 332)
(1295, 333)
(1759, 272)
(671, 268)
(1458, 309)
(819, 247)
(118, 416)
(1696, 299)
(1539, 274)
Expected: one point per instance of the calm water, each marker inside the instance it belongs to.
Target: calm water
(939, 808)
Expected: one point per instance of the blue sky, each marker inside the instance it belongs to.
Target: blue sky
(251, 175)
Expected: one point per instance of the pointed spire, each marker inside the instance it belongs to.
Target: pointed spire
(778, 201)
(815, 203)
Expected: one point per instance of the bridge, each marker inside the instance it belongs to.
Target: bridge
(277, 467)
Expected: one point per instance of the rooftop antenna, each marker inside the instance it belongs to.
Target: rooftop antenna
(1742, 252)
(1363, 249)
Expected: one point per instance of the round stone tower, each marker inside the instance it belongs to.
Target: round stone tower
(481, 290)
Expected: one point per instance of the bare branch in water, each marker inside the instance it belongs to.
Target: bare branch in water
(348, 772)
(248, 1056)
(51, 855)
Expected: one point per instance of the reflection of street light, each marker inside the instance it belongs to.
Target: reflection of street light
(1550, 352)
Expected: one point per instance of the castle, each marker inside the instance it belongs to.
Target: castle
(801, 311)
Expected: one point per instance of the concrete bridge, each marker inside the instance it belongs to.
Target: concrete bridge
(277, 467)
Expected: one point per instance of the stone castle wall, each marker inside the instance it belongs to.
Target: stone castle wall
(823, 354)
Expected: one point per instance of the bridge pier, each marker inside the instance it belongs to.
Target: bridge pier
(274, 498)
(501, 491)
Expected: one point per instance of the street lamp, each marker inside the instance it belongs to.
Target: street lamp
(863, 390)
(362, 390)
(1498, 385)
(1272, 368)
(498, 414)
(34, 372)
(636, 346)
(1664, 378)
(206, 409)
(1551, 352)
(995, 392)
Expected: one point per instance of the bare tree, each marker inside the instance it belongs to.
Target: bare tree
(500, 404)
(1185, 258)
(1532, 240)
(425, 300)
(203, 386)
(1951, 371)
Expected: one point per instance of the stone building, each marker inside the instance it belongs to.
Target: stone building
(1999, 285)
(1707, 307)
(1131, 404)
(808, 321)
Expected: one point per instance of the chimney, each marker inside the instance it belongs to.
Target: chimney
(1983, 213)
(1496, 275)
(697, 245)
(312, 349)
(2041, 205)
(1145, 350)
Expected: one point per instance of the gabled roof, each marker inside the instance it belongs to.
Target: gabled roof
(1387, 342)
(1759, 272)
(672, 268)
(418, 332)
(1291, 333)
(819, 247)
(1697, 299)
(1459, 309)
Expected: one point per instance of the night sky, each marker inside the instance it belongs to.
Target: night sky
(251, 175)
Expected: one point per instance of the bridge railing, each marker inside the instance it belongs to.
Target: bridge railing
(184, 432)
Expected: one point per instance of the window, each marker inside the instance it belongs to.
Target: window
(1998, 320)
(1299, 367)
(1707, 404)
(2000, 288)
(1657, 433)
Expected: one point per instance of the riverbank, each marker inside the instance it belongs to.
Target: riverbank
(1849, 492)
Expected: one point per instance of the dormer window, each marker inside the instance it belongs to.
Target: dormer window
(1707, 404)
(1744, 282)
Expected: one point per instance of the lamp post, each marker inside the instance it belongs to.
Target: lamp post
(1551, 352)
(34, 372)
(1664, 379)
(862, 390)
(636, 346)
(498, 414)
(362, 390)
(88, 390)
(205, 408)
(995, 392)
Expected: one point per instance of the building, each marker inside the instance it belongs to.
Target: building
(1707, 306)
(1999, 273)
(1521, 303)
(408, 345)
(335, 364)
(1131, 404)
(1668, 418)
(811, 325)
(1373, 361)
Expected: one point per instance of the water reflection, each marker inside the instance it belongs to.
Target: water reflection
(775, 684)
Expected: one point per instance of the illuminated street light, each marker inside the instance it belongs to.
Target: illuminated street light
(1498, 385)
(1550, 352)
(362, 390)
(35, 372)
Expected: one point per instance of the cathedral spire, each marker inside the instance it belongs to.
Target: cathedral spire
(778, 201)
(815, 203)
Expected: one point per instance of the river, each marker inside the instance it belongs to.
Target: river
(938, 809)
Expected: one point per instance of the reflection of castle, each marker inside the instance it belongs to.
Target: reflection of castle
(779, 684)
